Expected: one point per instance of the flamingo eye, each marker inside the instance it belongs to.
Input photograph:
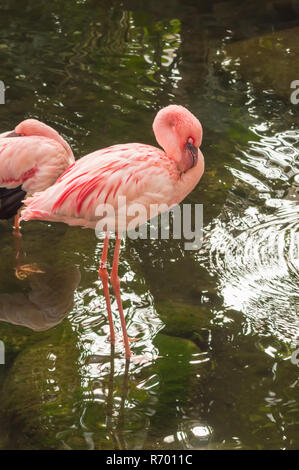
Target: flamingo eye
(191, 140)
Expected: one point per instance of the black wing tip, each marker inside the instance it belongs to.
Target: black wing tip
(10, 201)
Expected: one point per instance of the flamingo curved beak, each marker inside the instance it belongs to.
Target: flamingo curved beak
(190, 157)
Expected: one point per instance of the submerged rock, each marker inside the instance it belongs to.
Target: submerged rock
(184, 320)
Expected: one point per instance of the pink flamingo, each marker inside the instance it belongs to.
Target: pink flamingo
(32, 157)
(141, 173)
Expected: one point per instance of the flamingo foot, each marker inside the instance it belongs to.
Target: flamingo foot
(26, 270)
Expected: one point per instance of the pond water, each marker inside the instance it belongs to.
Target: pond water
(219, 325)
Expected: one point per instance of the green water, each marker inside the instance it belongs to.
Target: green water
(220, 325)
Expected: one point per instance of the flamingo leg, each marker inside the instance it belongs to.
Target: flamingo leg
(16, 229)
(117, 432)
(110, 401)
(103, 273)
(121, 419)
(116, 287)
(25, 270)
(17, 223)
(18, 249)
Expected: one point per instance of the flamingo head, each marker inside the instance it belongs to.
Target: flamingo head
(180, 134)
(33, 127)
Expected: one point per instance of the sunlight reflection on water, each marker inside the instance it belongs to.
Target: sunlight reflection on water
(255, 253)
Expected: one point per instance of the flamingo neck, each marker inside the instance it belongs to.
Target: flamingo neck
(189, 180)
(52, 134)
(166, 135)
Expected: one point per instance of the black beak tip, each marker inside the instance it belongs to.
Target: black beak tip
(193, 151)
(14, 134)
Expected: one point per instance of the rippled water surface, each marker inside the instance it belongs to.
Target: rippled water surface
(219, 326)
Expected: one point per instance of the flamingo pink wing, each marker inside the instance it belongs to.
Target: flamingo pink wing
(141, 173)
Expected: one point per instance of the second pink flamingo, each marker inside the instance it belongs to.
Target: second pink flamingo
(31, 159)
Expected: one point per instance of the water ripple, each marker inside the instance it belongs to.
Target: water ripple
(254, 252)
